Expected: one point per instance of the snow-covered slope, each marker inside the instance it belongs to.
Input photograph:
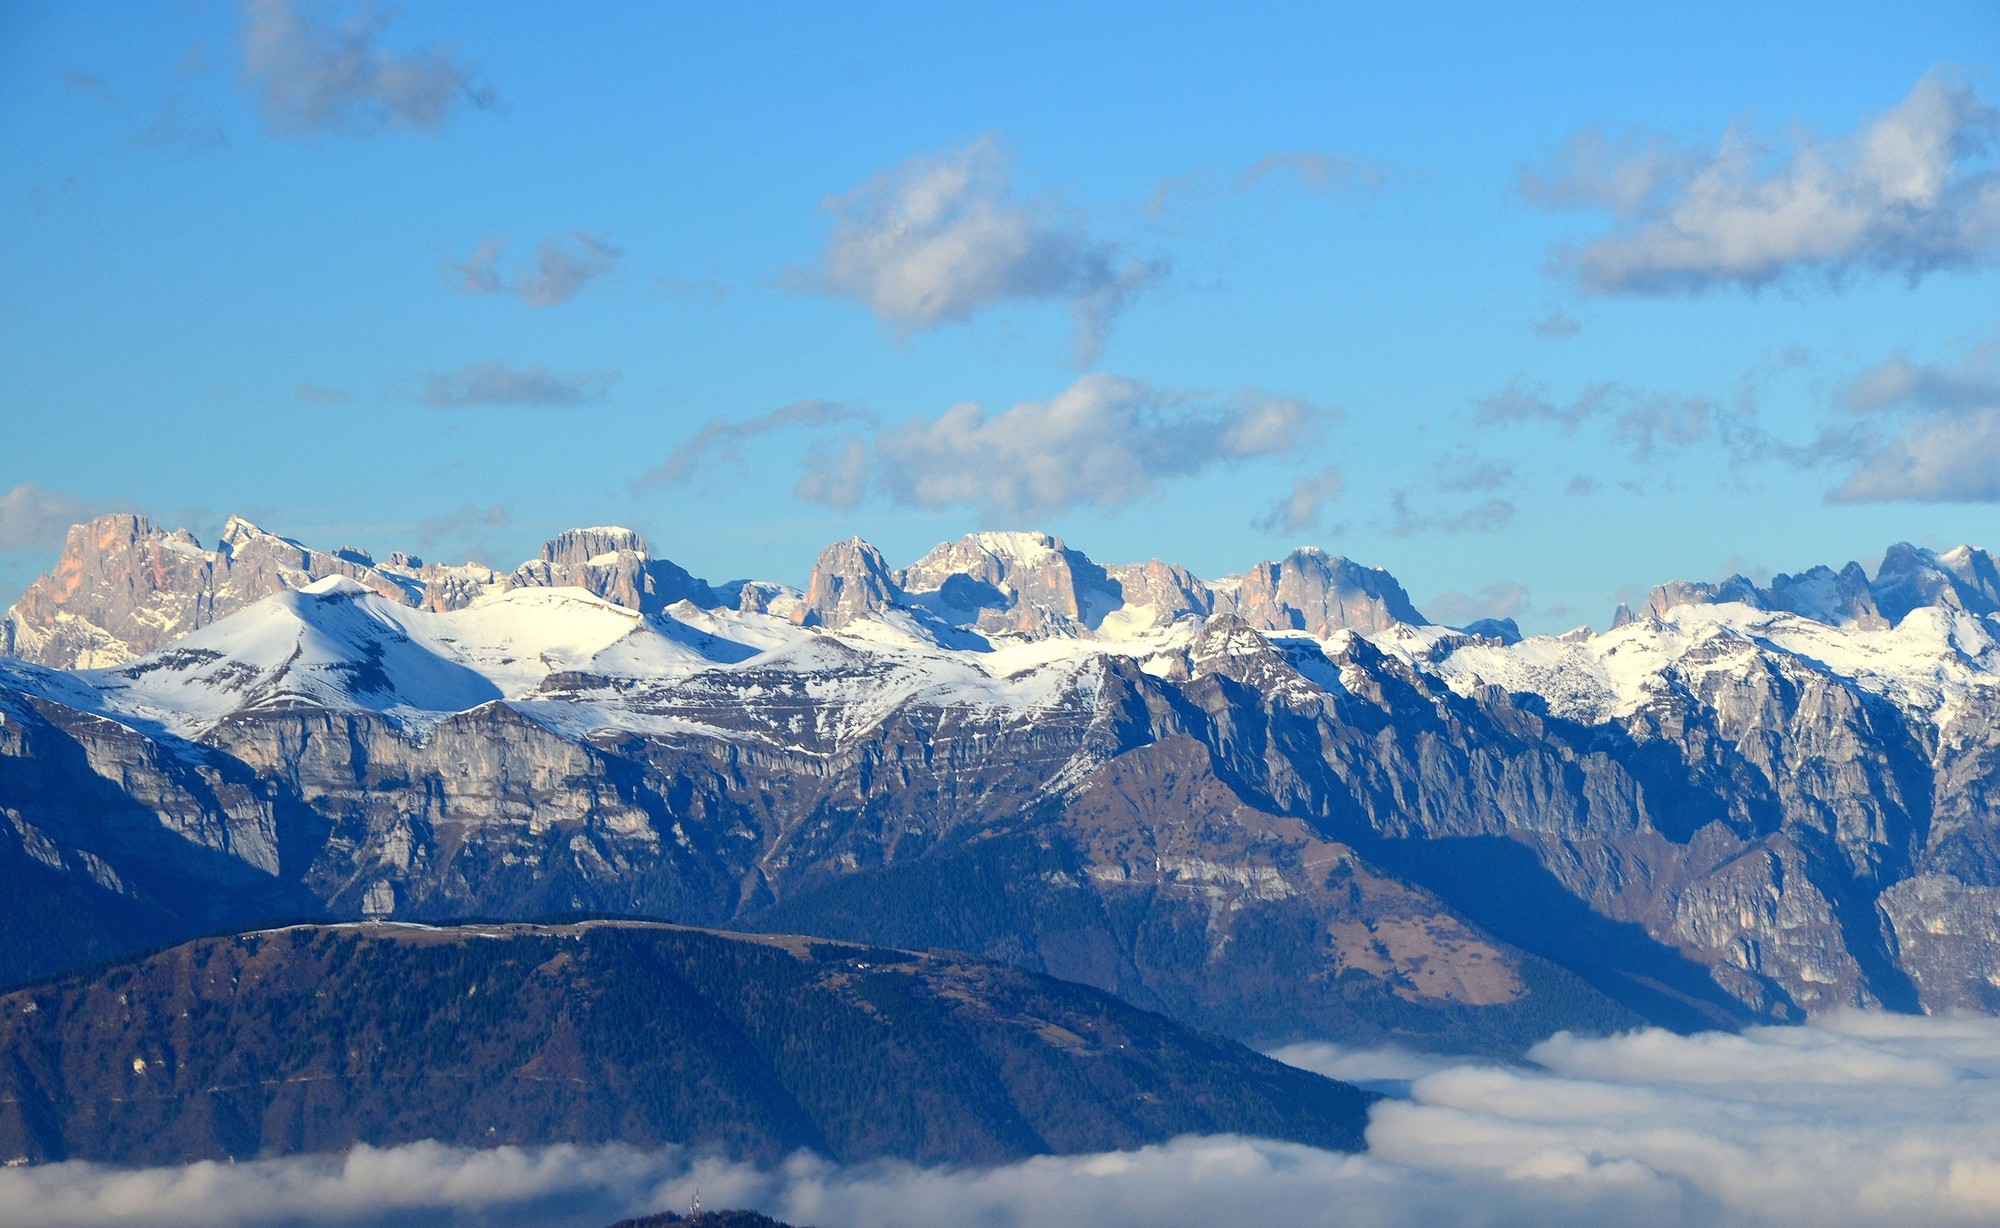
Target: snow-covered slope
(996, 623)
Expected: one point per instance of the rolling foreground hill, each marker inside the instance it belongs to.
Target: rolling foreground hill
(316, 1038)
(1280, 804)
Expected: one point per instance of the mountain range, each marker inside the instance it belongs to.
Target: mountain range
(1281, 804)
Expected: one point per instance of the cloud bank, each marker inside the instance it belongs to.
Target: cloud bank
(1912, 192)
(1858, 1121)
(1102, 442)
(941, 238)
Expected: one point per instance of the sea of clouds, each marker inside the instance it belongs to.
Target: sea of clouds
(1859, 1119)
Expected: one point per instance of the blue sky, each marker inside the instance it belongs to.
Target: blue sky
(1530, 308)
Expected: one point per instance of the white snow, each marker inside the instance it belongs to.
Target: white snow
(579, 663)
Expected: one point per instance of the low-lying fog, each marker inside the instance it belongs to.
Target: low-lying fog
(1859, 1119)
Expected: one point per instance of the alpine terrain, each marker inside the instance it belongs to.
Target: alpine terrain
(1280, 804)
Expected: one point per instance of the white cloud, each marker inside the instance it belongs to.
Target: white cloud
(1857, 1121)
(563, 266)
(1931, 434)
(1912, 192)
(32, 518)
(318, 76)
(1946, 458)
(497, 384)
(1304, 508)
(1899, 382)
(1102, 442)
(941, 238)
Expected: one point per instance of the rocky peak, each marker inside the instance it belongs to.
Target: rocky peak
(576, 547)
(1843, 598)
(1506, 630)
(124, 587)
(1975, 569)
(255, 563)
(1024, 583)
(1312, 591)
(1169, 590)
(615, 564)
(1911, 576)
(121, 589)
(850, 579)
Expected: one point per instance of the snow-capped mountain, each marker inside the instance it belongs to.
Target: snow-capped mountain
(1279, 803)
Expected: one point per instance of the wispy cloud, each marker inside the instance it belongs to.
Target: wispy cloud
(469, 519)
(563, 266)
(1856, 1121)
(1313, 173)
(1102, 442)
(1405, 520)
(1914, 191)
(1521, 402)
(316, 75)
(1318, 173)
(1304, 509)
(314, 394)
(718, 437)
(1555, 326)
(942, 238)
(1645, 423)
(1504, 599)
(1464, 473)
(497, 384)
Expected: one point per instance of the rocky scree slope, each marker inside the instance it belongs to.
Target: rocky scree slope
(1281, 804)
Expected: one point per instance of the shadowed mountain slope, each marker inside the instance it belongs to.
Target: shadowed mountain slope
(315, 1038)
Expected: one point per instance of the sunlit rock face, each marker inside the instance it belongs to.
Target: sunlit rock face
(1317, 593)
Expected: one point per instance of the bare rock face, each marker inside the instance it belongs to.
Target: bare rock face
(849, 580)
(1169, 590)
(1675, 593)
(1947, 933)
(1911, 577)
(124, 588)
(1021, 583)
(1311, 591)
(1843, 598)
(615, 564)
